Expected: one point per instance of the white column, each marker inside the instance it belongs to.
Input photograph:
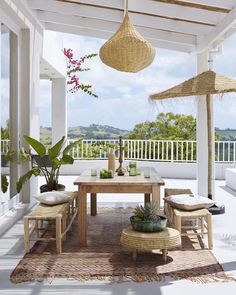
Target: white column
(0, 116)
(24, 115)
(14, 110)
(59, 109)
(202, 137)
(31, 48)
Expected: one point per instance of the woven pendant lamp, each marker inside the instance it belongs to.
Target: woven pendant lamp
(127, 50)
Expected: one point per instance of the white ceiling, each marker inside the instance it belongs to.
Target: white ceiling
(182, 25)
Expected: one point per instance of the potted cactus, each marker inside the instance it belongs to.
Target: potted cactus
(145, 219)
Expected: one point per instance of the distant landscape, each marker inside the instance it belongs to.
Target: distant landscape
(96, 131)
(227, 134)
(93, 131)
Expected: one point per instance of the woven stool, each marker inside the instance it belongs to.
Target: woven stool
(200, 218)
(167, 239)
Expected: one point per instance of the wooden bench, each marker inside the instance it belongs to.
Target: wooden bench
(45, 223)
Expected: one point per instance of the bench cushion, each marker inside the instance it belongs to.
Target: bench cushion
(189, 202)
(52, 198)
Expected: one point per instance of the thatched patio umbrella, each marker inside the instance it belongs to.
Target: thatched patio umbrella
(206, 83)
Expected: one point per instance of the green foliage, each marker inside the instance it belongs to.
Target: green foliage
(36, 145)
(168, 126)
(94, 131)
(4, 183)
(145, 213)
(225, 135)
(57, 156)
(54, 151)
(5, 132)
(23, 179)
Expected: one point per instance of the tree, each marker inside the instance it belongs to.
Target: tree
(168, 126)
(143, 131)
(5, 132)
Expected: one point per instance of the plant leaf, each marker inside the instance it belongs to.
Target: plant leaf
(71, 146)
(54, 151)
(36, 145)
(67, 159)
(4, 183)
(24, 178)
(56, 163)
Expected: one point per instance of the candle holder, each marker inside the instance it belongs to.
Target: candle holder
(120, 170)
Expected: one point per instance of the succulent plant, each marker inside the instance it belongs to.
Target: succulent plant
(146, 213)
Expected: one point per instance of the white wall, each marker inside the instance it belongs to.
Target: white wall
(53, 52)
(165, 169)
(28, 37)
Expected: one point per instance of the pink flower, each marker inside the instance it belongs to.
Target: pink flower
(68, 53)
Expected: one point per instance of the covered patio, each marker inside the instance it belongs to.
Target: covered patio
(224, 250)
(197, 27)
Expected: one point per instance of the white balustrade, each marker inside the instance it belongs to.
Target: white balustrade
(149, 150)
(5, 143)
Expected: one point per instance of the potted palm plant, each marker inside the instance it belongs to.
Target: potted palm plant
(145, 219)
(47, 162)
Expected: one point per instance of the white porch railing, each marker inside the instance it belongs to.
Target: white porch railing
(154, 150)
(151, 150)
(5, 145)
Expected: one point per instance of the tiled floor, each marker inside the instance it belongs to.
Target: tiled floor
(11, 250)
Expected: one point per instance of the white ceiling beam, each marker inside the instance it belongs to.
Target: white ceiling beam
(222, 27)
(117, 16)
(106, 35)
(112, 27)
(229, 4)
(162, 9)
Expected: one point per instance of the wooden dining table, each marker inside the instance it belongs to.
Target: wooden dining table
(86, 183)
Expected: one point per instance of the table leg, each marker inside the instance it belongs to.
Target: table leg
(147, 199)
(134, 254)
(156, 196)
(93, 204)
(58, 235)
(164, 255)
(26, 235)
(82, 216)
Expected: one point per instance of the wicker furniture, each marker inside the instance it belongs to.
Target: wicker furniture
(46, 223)
(127, 50)
(167, 239)
(201, 221)
(119, 184)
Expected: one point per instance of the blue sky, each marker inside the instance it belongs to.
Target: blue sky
(123, 97)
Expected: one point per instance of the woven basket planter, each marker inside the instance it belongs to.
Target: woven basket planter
(127, 50)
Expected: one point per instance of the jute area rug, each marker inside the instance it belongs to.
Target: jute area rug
(106, 259)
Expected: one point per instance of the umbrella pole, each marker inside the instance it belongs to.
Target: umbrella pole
(213, 209)
(210, 148)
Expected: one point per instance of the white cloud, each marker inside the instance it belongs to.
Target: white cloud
(123, 97)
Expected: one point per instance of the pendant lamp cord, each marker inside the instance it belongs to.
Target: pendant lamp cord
(126, 7)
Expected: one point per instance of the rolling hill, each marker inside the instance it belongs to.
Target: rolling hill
(93, 131)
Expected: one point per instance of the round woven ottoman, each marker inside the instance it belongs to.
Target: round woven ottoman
(164, 240)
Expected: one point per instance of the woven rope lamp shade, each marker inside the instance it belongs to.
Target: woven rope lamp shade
(127, 50)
